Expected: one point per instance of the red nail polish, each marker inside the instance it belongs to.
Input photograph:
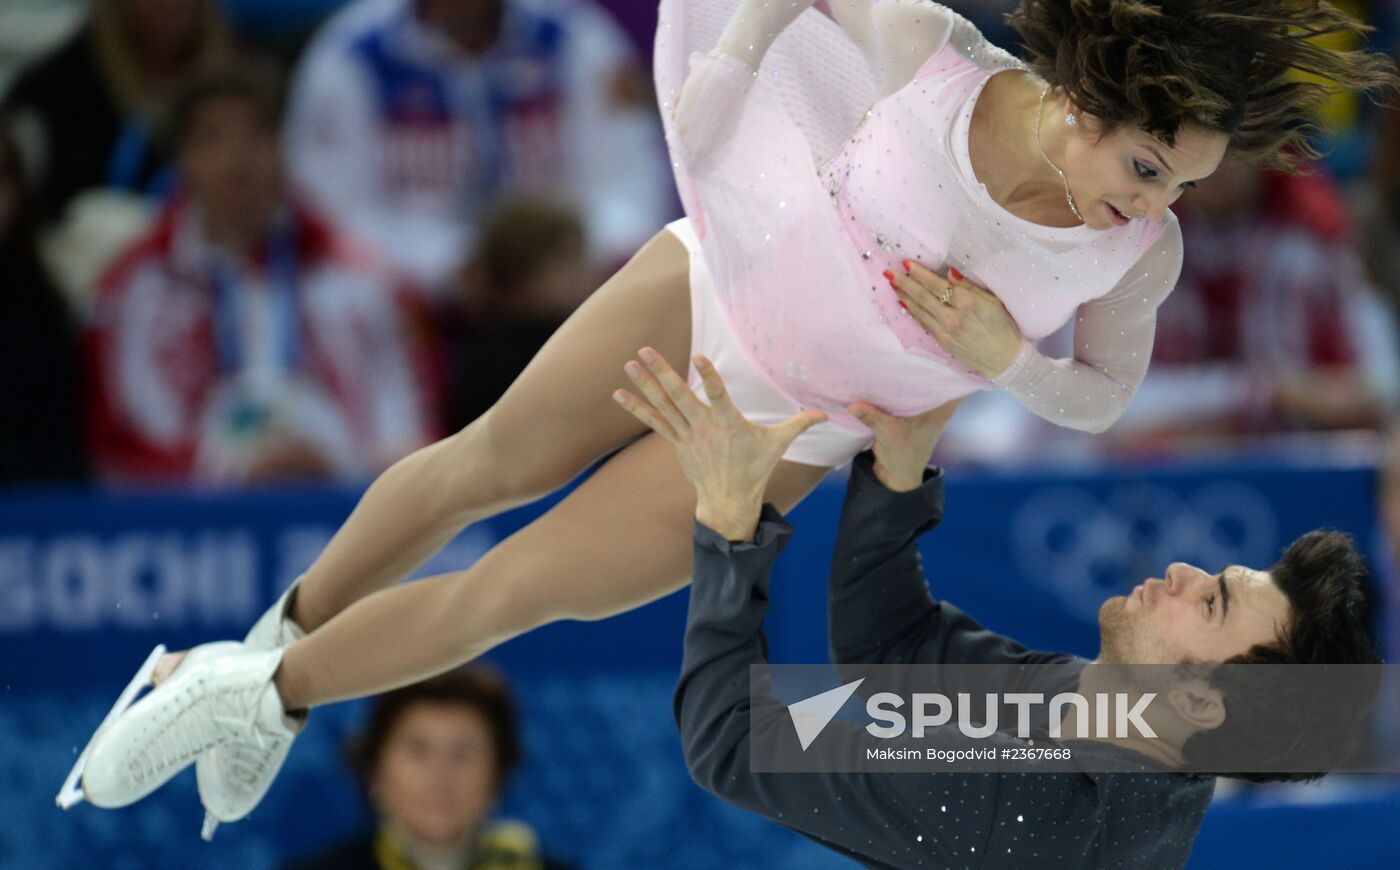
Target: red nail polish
(906, 266)
(888, 274)
(957, 276)
(902, 305)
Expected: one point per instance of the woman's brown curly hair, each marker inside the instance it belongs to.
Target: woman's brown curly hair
(1219, 64)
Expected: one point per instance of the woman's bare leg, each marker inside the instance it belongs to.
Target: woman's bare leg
(554, 421)
(622, 539)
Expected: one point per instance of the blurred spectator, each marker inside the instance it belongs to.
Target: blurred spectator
(409, 118)
(1273, 325)
(241, 339)
(94, 106)
(1378, 204)
(40, 428)
(279, 24)
(1348, 133)
(433, 762)
(528, 276)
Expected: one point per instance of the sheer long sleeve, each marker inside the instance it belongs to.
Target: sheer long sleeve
(709, 107)
(713, 96)
(1112, 347)
(896, 36)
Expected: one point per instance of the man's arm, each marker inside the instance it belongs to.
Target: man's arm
(878, 819)
(882, 820)
(880, 610)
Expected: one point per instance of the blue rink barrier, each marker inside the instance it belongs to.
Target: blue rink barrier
(90, 582)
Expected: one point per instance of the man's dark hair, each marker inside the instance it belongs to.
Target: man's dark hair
(1316, 723)
(474, 687)
(255, 82)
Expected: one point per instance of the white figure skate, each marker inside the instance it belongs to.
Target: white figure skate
(233, 777)
(220, 693)
(70, 795)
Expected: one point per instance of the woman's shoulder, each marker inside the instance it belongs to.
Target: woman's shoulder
(965, 42)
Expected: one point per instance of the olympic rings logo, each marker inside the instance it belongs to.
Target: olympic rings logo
(1083, 547)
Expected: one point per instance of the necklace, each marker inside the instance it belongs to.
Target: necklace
(1068, 197)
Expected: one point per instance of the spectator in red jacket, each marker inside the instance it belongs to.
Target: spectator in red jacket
(242, 339)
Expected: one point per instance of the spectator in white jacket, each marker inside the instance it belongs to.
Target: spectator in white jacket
(410, 117)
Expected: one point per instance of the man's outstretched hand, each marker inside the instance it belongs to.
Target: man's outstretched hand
(726, 458)
(903, 445)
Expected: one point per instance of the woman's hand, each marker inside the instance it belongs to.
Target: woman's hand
(726, 458)
(903, 445)
(967, 321)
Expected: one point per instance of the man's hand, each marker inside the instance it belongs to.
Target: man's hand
(726, 458)
(903, 445)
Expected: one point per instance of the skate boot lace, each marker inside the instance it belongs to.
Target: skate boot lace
(196, 721)
(244, 762)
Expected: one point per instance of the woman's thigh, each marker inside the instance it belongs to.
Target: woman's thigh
(558, 416)
(622, 539)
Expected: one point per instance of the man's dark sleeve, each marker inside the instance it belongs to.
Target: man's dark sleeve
(881, 820)
(880, 610)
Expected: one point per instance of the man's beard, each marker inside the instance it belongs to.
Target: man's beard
(1115, 627)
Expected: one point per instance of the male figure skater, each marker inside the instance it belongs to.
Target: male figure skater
(1305, 609)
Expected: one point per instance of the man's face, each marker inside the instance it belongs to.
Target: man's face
(1190, 615)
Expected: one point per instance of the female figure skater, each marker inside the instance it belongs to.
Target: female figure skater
(815, 156)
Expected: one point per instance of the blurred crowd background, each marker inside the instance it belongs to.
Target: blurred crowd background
(250, 241)
(265, 242)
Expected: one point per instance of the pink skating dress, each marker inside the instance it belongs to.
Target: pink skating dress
(801, 186)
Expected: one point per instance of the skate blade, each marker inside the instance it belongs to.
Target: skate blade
(211, 825)
(71, 794)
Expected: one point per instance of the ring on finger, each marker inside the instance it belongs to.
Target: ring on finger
(946, 297)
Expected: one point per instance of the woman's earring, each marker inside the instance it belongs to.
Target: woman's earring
(1071, 119)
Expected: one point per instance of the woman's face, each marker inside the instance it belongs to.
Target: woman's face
(436, 778)
(1134, 172)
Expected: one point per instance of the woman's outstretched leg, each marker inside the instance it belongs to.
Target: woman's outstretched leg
(555, 420)
(620, 540)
